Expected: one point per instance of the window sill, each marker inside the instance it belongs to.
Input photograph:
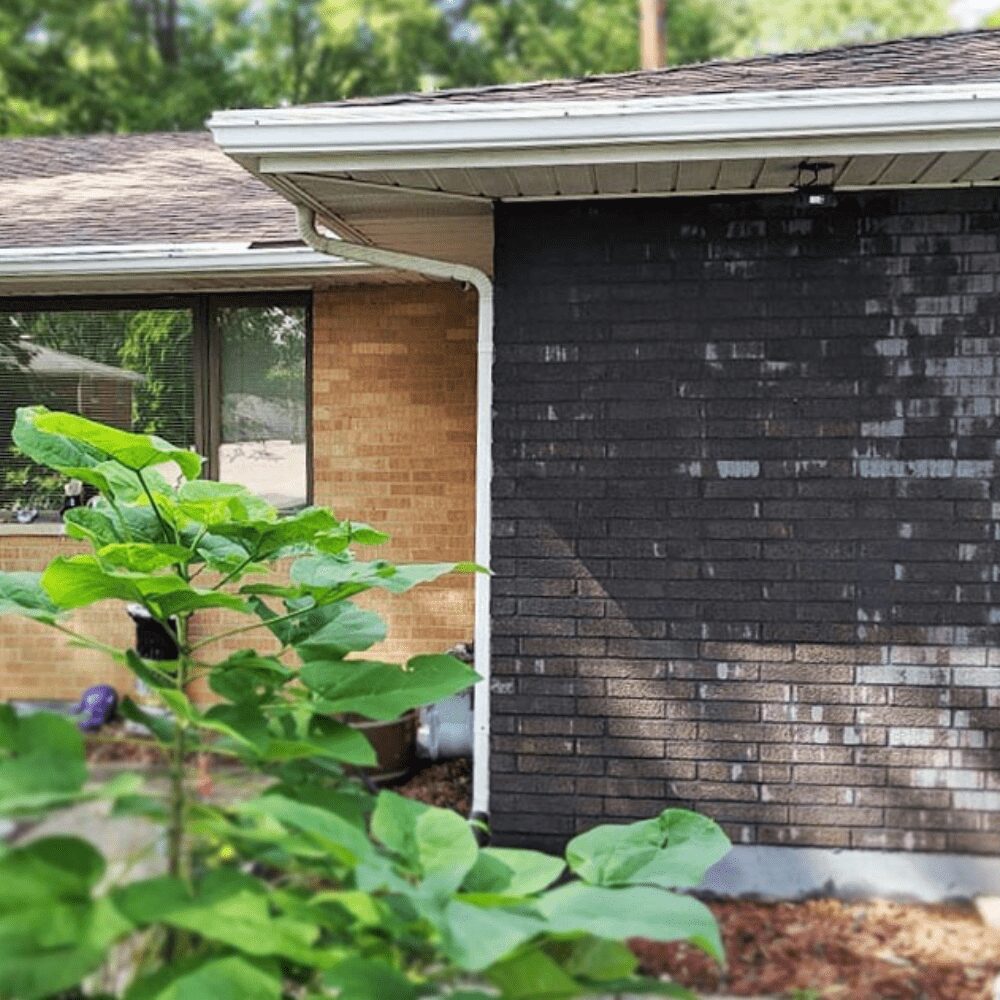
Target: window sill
(41, 528)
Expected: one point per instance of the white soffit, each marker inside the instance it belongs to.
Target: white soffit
(422, 177)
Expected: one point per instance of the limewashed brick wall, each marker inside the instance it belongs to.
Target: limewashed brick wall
(746, 521)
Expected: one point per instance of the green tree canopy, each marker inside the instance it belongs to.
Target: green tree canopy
(796, 25)
(140, 65)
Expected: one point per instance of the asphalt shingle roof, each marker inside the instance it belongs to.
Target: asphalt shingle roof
(161, 187)
(962, 57)
(179, 187)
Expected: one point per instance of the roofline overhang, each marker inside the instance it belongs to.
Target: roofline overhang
(954, 117)
(168, 260)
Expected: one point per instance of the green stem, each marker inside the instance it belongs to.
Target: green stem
(236, 572)
(156, 510)
(256, 625)
(86, 640)
(178, 861)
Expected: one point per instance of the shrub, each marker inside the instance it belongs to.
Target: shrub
(307, 885)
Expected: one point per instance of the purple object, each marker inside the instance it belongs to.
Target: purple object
(98, 705)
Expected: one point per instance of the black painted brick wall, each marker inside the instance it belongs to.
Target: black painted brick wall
(745, 519)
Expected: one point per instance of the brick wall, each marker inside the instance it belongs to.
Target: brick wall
(394, 439)
(745, 519)
(394, 444)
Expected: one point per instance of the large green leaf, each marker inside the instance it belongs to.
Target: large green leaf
(142, 557)
(435, 843)
(329, 738)
(134, 451)
(478, 937)
(638, 987)
(273, 539)
(385, 690)
(532, 975)
(228, 907)
(368, 979)
(230, 977)
(633, 911)
(41, 762)
(23, 594)
(594, 959)
(78, 581)
(52, 931)
(512, 871)
(94, 526)
(73, 458)
(324, 573)
(213, 504)
(247, 677)
(674, 850)
(328, 830)
(342, 628)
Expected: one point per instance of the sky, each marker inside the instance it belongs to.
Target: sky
(969, 13)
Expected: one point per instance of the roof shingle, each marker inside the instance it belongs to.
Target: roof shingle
(962, 57)
(166, 187)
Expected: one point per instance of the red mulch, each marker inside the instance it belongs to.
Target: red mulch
(842, 951)
(448, 785)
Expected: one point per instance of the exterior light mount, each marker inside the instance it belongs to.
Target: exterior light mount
(812, 190)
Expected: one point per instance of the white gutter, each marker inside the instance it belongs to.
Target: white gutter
(487, 133)
(173, 259)
(484, 460)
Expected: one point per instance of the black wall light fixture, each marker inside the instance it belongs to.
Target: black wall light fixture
(813, 191)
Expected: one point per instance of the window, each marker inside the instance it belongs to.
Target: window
(225, 375)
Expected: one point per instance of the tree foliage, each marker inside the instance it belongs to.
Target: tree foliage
(303, 883)
(796, 25)
(143, 65)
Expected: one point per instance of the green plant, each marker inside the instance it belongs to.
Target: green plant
(308, 886)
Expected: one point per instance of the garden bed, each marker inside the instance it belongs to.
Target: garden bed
(830, 950)
(816, 950)
(447, 785)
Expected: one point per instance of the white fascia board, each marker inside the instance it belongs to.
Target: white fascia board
(509, 133)
(166, 259)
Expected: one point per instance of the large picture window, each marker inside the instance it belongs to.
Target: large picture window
(225, 375)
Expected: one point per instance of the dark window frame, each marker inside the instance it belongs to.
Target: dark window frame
(205, 346)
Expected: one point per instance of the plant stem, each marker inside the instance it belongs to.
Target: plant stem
(178, 863)
(86, 640)
(236, 572)
(153, 504)
(256, 625)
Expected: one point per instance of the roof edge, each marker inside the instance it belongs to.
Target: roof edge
(173, 259)
(340, 138)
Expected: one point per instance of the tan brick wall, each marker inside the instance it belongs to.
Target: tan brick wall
(394, 371)
(394, 417)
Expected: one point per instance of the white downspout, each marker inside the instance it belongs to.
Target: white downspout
(484, 461)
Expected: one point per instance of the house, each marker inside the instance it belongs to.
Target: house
(154, 264)
(735, 409)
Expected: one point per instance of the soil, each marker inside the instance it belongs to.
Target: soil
(448, 785)
(113, 744)
(840, 951)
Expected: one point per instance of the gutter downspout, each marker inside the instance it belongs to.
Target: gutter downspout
(484, 462)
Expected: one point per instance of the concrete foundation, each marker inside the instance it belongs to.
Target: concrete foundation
(796, 872)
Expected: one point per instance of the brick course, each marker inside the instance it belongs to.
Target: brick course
(393, 444)
(745, 522)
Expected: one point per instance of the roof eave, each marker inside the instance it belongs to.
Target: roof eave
(345, 137)
(172, 260)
